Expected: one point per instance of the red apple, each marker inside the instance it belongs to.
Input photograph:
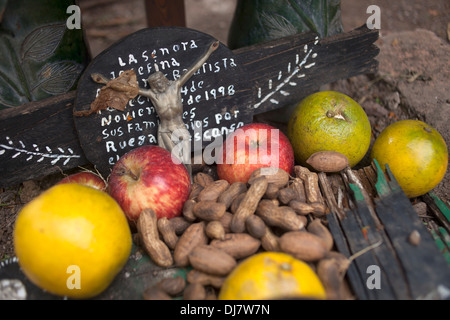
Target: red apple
(254, 146)
(86, 178)
(146, 177)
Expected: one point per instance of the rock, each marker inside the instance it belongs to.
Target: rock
(29, 191)
(420, 208)
(374, 109)
(392, 100)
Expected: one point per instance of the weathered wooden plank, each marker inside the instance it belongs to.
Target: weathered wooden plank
(355, 236)
(350, 235)
(354, 277)
(384, 253)
(438, 208)
(285, 71)
(424, 266)
(407, 271)
(336, 214)
(38, 139)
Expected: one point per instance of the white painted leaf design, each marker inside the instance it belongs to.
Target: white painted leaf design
(34, 152)
(58, 77)
(42, 42)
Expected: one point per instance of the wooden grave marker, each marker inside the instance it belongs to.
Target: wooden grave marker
(230, 88)
(215, 99)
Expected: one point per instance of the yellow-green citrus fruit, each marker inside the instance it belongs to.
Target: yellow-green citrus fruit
(272, 275)
(329, 121)
(72, 240)
(416, 154)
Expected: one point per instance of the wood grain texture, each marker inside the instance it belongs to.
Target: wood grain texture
(404, 271)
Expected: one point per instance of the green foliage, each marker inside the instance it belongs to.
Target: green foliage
(262, 20)
(40, 56)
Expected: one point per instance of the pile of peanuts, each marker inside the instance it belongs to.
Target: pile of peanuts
(223, 223)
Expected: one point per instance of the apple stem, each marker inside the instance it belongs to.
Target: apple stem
(124, 171)
(133, 175)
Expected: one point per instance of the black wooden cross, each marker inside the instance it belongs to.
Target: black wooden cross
(43, 137)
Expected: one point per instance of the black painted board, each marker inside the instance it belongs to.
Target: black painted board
(279, 70)
(214, 98)
(385, 254)
(255, 66)
(356, 281)
(333, 218)
(288, 70)
(424, 266)
(355, 237)
(38, 139)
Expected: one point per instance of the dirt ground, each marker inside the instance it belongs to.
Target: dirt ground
(418, 87)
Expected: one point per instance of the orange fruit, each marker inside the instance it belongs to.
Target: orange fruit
(416, 153)
(329, 121)
(72, 240)
(271, 275)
